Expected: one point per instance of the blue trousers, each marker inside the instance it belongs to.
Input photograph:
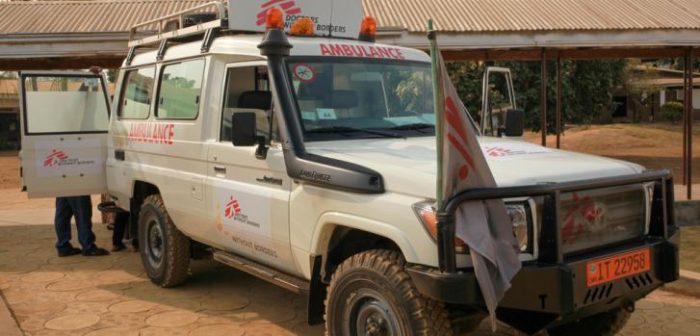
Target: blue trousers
(81, 208)
(121, 219)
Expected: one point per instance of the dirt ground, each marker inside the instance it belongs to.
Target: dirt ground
(655, 146)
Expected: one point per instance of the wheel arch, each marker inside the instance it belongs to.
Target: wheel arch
(141, 189)
(339, 237)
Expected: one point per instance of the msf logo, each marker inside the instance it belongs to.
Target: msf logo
(232, 208)
(54, 158)
(289, 7)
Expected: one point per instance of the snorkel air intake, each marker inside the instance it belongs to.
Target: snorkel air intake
(301, 165)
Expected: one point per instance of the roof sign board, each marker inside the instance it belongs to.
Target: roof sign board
(337, 18)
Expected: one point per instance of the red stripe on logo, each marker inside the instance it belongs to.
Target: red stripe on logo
(465, 155)
(453, 119)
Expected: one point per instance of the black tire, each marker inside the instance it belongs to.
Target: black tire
(165, 251)
(371, 294)
(603, 324)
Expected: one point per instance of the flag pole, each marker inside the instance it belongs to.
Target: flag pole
(437, 103)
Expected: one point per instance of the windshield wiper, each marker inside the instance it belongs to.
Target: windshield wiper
(420, 127)
(341, 129)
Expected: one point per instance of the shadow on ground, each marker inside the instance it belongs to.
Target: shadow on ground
(112, 296)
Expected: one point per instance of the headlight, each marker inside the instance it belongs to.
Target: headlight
(518, 212)
(426, 214)
(519, 215)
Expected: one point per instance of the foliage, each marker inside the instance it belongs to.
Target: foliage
(411, 93)
(587, 88)
(639, 84)
(8, 74)
(672, 111)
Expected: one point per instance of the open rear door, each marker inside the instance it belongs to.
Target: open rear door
(64, 119)
(497, 97)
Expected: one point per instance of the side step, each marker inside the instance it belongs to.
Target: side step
(292, 283)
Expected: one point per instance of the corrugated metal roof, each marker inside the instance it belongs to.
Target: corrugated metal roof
(535, 15)
(43, 17)
(467, 16)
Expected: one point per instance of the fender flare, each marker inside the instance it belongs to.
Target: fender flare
(328, 221)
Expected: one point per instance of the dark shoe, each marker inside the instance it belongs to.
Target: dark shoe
(69, 252)
(117, 248)
(96, 252)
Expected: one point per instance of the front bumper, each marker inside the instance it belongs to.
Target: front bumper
(547, 294)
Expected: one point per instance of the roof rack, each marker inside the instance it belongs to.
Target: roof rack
(178, 25)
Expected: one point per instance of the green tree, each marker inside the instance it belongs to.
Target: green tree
(588, 88)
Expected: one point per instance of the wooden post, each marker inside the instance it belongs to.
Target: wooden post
(558, 112)
(688, 99)
(543, 97)
(685, 123)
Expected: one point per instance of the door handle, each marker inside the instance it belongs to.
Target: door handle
(119, 154)
(220, 169)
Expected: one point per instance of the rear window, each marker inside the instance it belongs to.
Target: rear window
(180, 89)
(136, 99)
(65, 104)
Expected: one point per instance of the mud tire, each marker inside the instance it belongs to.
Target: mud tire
(373, 285)
(603, 324)
(165, 251)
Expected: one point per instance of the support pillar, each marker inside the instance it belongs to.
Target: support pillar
(543, 97)
(688, 101)
(558, 112)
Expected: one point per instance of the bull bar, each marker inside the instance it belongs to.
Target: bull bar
(551, 290)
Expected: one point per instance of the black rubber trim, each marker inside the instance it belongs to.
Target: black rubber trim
(301, 165)
(546, 294)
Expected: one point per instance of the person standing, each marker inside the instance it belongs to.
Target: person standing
(79, 207)
(120, 221)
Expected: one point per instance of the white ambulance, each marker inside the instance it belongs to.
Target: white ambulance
(306, 156)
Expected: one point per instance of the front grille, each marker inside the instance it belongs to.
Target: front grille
(598, 293)
(639, 281)
(600, 217)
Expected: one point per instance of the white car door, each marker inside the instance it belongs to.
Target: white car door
(249, 196)
(64, 117)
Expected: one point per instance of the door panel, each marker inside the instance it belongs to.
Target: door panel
(249, 199)
(64, 118)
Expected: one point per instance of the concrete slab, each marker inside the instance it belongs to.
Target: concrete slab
(687, 213)
(8, 325)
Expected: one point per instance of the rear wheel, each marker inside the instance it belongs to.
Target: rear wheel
(371, 294)
(607, 323)
(165, 251)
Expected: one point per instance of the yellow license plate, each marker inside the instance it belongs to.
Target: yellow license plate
(618, 266)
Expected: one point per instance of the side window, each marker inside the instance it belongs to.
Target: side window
(247, 90)
(180, 89)
(65, 104)
(136, 97)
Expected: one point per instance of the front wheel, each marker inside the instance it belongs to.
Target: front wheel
(603, 324)
(371, 294)
(165, 251)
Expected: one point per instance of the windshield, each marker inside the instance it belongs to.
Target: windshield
(341, 98)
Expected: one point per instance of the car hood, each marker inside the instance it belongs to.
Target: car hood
(408, 166)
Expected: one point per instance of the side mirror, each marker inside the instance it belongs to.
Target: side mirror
(515, 123)
(244, 131)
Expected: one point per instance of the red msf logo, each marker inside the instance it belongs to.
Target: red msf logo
(54, 158)
(497, 151)
(587, 211)
(232, 208)
(289, 7)
(459, 142)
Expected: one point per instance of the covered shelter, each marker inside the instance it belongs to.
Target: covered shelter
(543, 30)
(77, 34)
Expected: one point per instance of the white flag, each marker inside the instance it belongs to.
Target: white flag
(483, 225)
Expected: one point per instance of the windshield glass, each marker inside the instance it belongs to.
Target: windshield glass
(341, 98)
